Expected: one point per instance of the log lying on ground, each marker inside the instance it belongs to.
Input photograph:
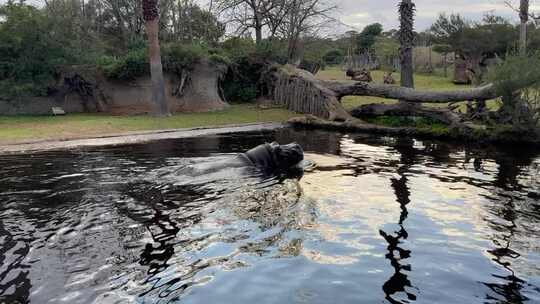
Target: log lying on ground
(299, 91)
(406, 94)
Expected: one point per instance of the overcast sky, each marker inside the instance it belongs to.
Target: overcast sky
(359, 13)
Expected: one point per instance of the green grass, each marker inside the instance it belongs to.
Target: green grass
(421, 81)
(26, 128)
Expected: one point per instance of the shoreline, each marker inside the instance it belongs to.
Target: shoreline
(312, 122)
(134, 137)
(302, 122)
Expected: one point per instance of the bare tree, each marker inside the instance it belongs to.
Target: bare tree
(151, 16)
(303, 18)
(246, 14)
(286, 19)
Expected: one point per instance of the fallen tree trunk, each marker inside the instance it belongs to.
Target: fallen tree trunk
(300, 91)
(407, 94)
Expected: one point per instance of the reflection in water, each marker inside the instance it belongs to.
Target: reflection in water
(13, 289)
(396, 254)
(120, 224)
(510, 290)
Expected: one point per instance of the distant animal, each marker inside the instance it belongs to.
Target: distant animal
(388, 78)
(360, 75)
(268, 159)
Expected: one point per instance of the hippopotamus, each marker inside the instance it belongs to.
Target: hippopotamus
(267, 160)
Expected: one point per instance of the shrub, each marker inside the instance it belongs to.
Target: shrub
(240, 92)
(238, 47)
(180, 57)
(334, 56)
(220, 59)
(28, 51)
(517, 80)
(128, 67)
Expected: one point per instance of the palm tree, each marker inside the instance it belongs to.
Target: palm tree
(151, 17)
(406, 40)
(524, 17)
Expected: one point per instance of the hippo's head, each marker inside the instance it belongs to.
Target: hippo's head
(286, 156)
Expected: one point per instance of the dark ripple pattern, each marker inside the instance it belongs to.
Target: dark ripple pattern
(379, 220)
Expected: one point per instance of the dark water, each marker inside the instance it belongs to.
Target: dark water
(381, 220)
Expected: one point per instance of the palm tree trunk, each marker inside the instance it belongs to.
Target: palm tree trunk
(151, 17)
(406, 40)
(524, 17)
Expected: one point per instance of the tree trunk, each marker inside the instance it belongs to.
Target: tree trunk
(407, 94)
(258, 30)
(406, 39)
(150, 12)
(524, 17)
(445, 65)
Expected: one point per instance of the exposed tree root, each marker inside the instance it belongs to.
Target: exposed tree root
(299, 91)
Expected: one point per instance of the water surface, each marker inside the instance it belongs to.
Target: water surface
(379, 220)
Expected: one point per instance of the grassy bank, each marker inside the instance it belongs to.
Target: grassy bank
(421, 81)
(26, 128)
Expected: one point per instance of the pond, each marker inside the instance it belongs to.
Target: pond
(378, 220)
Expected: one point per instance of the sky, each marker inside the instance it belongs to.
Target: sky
(359, 13)
(356, 14)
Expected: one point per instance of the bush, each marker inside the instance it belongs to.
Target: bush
(180, 57)
(28, 52)
(240, 92)
(134, 64)
(334, 56)
(518, 74)
(238, 47)
(219, 59)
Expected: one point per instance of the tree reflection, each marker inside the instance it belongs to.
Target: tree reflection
(13, 289)
(510, 290)
(164, 229)
(399, 281)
